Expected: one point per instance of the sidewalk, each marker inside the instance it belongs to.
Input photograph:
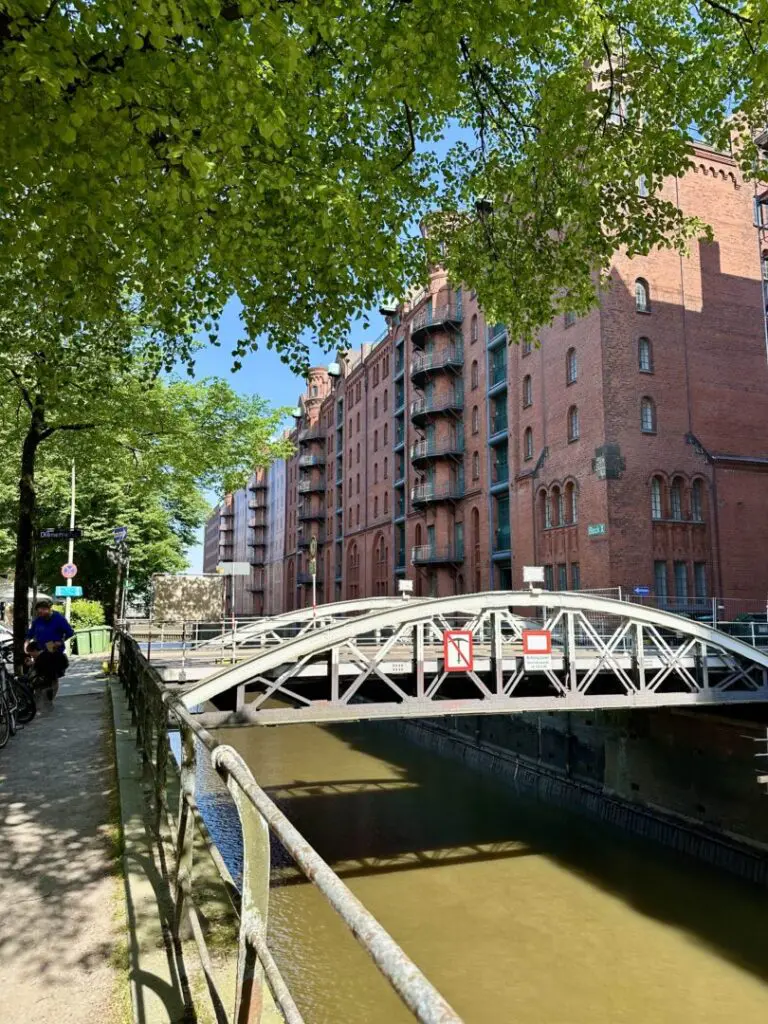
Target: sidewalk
(59, 891)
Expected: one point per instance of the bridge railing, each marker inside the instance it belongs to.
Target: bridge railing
(155, 712)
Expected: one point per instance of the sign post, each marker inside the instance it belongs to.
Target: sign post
(537, 650)
(71, 551)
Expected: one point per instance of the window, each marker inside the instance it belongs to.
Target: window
(528, 444)
(527, 391)
(386, 399)
(571, 366)
(676, 499)
(697, 502)
(386, 468)
(573, 423)
(644, 356)
(386, 502)
(681, 580)
(475, 466)
(375, 440)
(375, 472)
(642, 297)
(656, 507)
(375, 376)
(357, 485)
(473, 330)
(375, 506)
(647, 416)
(358, 422)
(660, 579)
(572, 502)
(358, 516)
(562, 577)
(358, 393)
(386, 432)
(700, 579)
(560, 508)
(350, 424)
(375, 406)
(527, 346)
(350, 456)
(475, 420)
(549, 577)
(547, 512)
(313, 391)
(556, 507)
(575, 576)
(358, 451)
(569, 318)
(474, 374)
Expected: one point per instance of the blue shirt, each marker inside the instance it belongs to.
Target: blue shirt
(55, 627)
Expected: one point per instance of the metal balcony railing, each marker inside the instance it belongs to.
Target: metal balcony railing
(502, 539)
(451, 401)
(433, 318)
(498, 374)
(308, 514)
(306, 577)
(305, 538)
(499, 424)
(260, 484)
(310, 434)
(257, 541)
(308, 486)
(257, 503)
(500, 474)
(432, 554)
(496, 332)
(424, 493)
(311, 460)
(443, 358)
(433, 449)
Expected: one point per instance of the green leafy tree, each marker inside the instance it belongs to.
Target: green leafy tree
(181, 153)
(149, 444)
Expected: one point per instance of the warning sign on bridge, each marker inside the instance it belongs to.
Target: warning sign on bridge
(457, 650)
(537, 650)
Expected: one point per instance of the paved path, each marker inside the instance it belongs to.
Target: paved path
(58, 891)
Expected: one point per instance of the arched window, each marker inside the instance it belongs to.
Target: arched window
(375, 440)
(358, 451)
(375, 408)
(353, 571)
(527, 347)
(572, 503)
(473, 330)
(476, 548)
(475, 466)
(647, 416)
(527, 391)
(657, 510)
(313, 391)
(386, 399)
(350, 424)
(557, 507)
(357, 486)
(375, 506)
(573, 423)
(642, 296)
(676, 498)
(386, 433)
(571, 366)
(375, 472)
(475, 420)
(357, 516)
(546, 504)
(417, 535)
(386, 467)
(386, 502)
(358, 422)
(644, 356)
(528, 443)
(474, 377)
(697, 501)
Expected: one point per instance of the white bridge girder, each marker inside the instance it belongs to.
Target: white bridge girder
(389, 663)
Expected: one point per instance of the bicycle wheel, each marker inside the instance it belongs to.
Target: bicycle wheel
(25, 699)
(5, 722)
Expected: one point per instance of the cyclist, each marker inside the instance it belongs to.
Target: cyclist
(46, 638)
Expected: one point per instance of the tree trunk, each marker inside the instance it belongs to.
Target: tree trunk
(25, 539)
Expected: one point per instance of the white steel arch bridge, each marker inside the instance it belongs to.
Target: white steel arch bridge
(383, 658)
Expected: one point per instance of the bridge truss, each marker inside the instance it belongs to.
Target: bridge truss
(389, 663)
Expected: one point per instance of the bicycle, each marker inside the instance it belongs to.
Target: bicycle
(17, 698)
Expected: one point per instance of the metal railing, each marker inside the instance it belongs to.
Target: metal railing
(437, 492)
(499, 424)
(449, 355)
(311, 434)
(454, 399)
(308, 486)
(156, 712)
(432, 554)
(427, 449)
(307, 514)
(311, 460)
(496, 331)
(427, 316)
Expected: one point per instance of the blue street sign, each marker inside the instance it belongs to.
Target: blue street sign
(641, 591)
(69, 592)
(121, 532)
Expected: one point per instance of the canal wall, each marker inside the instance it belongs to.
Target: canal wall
(685, 779)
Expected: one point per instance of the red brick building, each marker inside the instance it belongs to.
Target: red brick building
(627, 448)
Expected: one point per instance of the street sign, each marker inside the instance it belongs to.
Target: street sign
(234, 568)
(68, 592)
(641, 591)
(120, 532)
(313, 567)
(69, 571)
(533, 574)
(61, 534)
(597, 530)
(537, 650)
(313, 546)
(458, 651)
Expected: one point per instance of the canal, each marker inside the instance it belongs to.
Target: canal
(517, 912)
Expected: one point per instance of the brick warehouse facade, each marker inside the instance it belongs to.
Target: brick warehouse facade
(628, 448)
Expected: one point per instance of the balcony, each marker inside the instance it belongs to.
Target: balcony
(451, 402)
(400, 561)
(306, 461)
(305, 538)
(399, 440)
(256, 557)
(399, 367)
(448, 357)
(499, 475)
(499, 427)
(308, 515)
(259, 484)
(440, 318)
(423, 450)
(424, 494)
(496, 334)
(256, 504)
(257, 541)
(433, 554)
(310, 434)
(497, 376)
(302, 578)
(310, 486)
(502, 540)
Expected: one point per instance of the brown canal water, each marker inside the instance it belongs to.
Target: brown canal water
(519, 913)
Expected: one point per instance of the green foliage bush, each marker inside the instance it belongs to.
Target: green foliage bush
(87, 613)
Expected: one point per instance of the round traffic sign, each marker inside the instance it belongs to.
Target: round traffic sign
(313, 546)
(69, 571)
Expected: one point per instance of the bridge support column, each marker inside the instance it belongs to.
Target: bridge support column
(497, 667)
(418, 658)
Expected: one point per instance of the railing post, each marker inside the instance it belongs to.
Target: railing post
(186, 829)
(161, 759)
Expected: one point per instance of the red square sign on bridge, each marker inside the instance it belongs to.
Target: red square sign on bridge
(537, 641)
(458, 651)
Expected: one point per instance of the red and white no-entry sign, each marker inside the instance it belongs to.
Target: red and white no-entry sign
(537, 649)
(458, 654)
